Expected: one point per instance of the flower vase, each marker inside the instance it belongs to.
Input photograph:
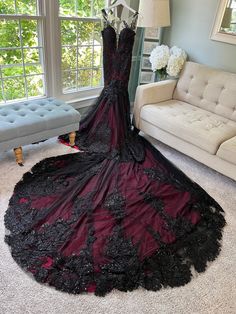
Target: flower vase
(160, 76)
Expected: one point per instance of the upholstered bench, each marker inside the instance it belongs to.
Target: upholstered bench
(32, 121)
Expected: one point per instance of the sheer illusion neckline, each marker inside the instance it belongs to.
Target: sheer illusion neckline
(127, 26)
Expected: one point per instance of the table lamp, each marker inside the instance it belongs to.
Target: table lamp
(154, 13)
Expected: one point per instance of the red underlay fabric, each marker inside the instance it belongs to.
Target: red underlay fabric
(119, 214)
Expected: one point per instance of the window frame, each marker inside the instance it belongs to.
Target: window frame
(40, 20)
(50, 38)
(53, 47)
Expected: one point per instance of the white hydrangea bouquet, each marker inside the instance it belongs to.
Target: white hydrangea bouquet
(167, 62)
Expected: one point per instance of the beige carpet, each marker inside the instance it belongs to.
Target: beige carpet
(211, 292)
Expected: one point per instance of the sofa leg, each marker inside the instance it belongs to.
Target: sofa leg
(19, 155)
(72, 138)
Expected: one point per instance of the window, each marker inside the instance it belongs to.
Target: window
(21, 55)
(50, 48)
(81, 44)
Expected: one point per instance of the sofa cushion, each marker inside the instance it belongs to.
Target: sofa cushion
(208, 88)
(227, 150)
(30, 117)
(192, 124)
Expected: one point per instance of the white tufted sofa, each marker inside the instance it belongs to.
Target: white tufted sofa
(196, 115)
(32, 121)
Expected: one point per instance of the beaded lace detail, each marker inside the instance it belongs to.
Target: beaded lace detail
(118, 215)
(132, 25)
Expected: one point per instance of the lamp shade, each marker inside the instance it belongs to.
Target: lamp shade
(154, 13)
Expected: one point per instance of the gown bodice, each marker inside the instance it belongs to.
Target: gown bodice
(117, 51)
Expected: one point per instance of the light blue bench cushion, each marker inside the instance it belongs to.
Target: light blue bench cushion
(29, 119)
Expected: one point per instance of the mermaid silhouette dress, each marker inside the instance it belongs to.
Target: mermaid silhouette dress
(118, 215)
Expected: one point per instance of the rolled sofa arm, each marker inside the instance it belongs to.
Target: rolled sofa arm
(152, 93)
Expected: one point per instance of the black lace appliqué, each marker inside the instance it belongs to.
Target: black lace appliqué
(77, 222)
(116, 204)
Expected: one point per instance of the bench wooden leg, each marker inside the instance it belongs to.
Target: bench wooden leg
(19, 155)
(72, 138)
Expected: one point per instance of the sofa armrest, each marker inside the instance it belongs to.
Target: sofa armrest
(152, 93)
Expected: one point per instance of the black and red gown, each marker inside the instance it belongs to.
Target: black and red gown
(118, 215)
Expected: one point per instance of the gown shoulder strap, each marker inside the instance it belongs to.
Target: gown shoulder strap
(104, 14)
(105, 18)
(133, 22)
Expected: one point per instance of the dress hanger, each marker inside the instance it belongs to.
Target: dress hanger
(115, 6)
(120, 2)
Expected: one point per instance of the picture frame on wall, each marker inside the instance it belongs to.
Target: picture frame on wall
(147, 77)
(149, 46)
(151, 38)
(146, 64)
(152, 33)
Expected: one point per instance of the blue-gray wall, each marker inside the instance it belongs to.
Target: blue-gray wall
(191, 24)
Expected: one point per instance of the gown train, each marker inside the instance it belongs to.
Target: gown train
(118, 215)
